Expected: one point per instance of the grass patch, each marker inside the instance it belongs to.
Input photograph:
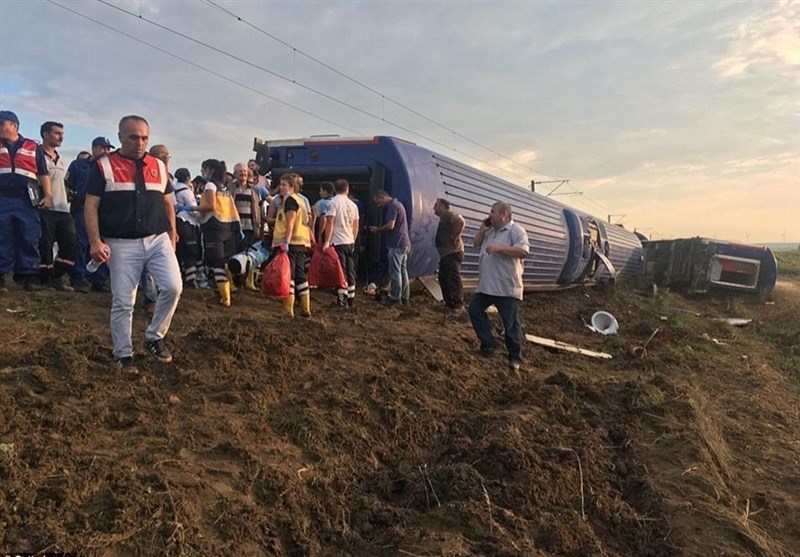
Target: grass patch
(788, 263)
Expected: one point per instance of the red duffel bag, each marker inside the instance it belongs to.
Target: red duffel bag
(325, 270)
(276, 281)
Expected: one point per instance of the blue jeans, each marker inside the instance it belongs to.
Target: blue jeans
(398, 272)
(508, 308)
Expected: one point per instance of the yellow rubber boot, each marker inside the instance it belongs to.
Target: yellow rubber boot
(224, 293)
(250, 280)
(288, 305)
(230, 280)
(305, 303)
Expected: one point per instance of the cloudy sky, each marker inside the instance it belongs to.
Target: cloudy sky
(678, 118)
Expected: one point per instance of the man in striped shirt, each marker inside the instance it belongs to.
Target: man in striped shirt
(247, 204)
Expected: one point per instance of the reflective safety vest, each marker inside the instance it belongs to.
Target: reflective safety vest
(301, 235)
(120, 173)
(225, 211)
(24, 162)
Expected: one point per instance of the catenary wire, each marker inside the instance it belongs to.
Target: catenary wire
(270, 97)
(212, 72)
(371, 89)
(307, 88)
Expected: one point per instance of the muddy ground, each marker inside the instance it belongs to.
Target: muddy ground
(379, 431)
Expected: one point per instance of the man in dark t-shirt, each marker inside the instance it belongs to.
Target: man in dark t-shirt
(398, 244)
(451, 254)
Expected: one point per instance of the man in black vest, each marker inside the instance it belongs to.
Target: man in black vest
(24, 186)
(130, 220)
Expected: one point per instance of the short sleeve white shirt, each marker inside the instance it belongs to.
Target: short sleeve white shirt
(344, 213)
(185, 196)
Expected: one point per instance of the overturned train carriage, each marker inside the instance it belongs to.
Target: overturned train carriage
(567, 246)
(702, 265)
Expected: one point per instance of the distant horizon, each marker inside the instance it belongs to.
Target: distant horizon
(782, 246)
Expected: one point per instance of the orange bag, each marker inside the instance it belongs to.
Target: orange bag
(277, 279)
(325, 270)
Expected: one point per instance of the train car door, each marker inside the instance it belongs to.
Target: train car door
(364, 182)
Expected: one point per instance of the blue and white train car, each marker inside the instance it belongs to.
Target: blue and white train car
(567, 245)
(700, 265)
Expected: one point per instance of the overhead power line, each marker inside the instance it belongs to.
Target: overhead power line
(198, 66)
(271, 97)
(302, 86)
(371, 89)
(385, 97)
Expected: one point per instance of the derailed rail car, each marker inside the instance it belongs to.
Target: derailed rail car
(702, 265)
(567, 246)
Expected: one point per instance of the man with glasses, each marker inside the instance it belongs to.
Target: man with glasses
(130, 218)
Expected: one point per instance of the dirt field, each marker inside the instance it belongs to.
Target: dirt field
(379, 432)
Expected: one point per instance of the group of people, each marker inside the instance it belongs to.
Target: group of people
(121, 220)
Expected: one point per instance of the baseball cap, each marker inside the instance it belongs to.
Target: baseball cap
(7, 115)
(101, 142)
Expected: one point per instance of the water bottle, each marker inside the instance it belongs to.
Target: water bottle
(93, 265)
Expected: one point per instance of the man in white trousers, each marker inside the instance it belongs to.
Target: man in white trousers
(130, 221)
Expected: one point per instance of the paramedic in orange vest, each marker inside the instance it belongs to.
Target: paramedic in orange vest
(24, 188)
(130, 220)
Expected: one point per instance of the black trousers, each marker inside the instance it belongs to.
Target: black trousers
(57, 227)
(347, 257)
(450, 279)
(219, 244)
(297, 261)
(189, 249)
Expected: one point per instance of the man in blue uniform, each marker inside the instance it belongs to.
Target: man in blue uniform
(77, 176)
(24, 188)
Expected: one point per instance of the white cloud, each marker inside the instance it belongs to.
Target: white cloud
(770, 38)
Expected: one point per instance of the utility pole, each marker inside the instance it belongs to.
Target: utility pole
(620, 215)
(559, 182)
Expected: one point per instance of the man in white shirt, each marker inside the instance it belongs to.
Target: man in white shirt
(57, 223)
(341, 230)
(504, 246)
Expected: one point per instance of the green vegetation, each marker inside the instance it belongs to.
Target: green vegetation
(788, 263)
